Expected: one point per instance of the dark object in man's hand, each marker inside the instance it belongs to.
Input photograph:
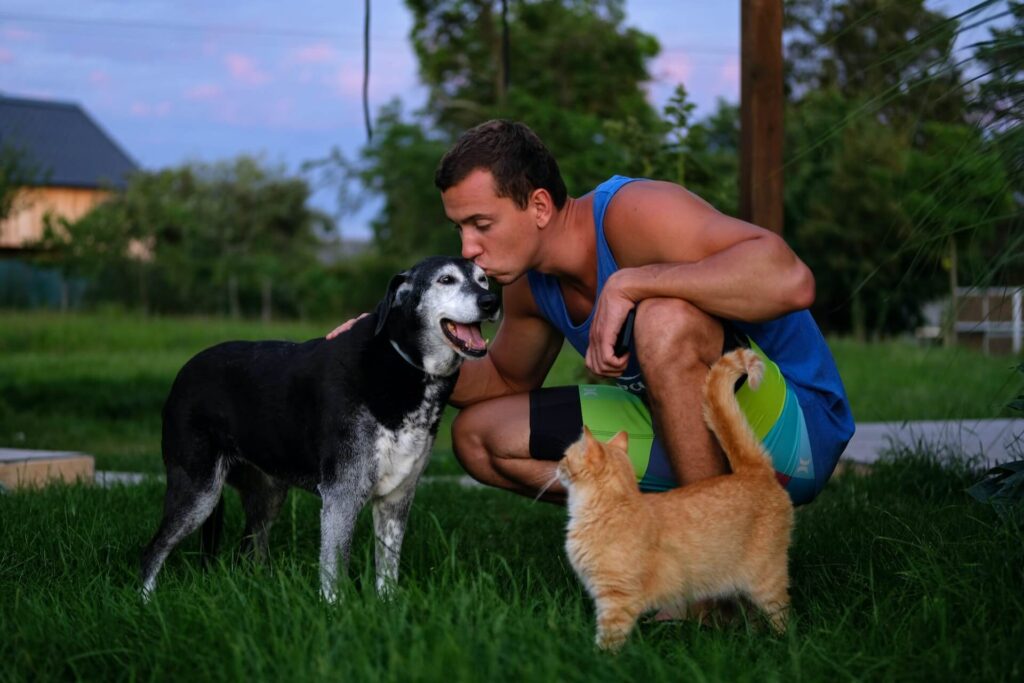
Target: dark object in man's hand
(625, 337)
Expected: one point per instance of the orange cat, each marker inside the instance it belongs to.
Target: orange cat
(724, 536)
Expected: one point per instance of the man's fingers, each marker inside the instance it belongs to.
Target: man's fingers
(605, 365)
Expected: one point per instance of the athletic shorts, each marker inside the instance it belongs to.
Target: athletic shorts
(557, 416)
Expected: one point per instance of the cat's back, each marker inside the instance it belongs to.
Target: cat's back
(729, 512)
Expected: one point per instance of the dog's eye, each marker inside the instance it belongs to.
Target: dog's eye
(446, 280)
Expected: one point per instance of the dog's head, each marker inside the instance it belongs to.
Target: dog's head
(433, 311)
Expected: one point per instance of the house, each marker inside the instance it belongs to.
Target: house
(72, 164)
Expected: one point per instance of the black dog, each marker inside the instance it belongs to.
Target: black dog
(351, 419)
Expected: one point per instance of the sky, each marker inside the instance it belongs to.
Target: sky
(174, 81)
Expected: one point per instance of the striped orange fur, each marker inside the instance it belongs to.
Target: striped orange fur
(720, 537)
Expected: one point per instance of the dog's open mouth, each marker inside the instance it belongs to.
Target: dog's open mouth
(465, 337)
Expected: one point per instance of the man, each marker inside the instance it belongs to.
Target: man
(572, 268)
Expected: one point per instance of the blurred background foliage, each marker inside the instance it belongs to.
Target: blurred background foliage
(904, 163)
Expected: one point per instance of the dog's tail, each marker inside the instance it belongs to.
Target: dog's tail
(724, 417)
(211, 532)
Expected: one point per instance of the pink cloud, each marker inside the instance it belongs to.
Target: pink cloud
(730, 71)
(346, 81)
(244, 70)
(99, 78)
(15, 33)
(6, 56)
(673, 65)
(204, 91)
(146, 110)
(314, 53)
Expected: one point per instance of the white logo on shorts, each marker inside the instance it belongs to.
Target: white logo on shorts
(634, 384)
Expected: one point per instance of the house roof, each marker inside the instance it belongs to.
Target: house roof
(63, 144)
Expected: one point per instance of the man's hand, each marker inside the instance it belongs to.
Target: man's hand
(345, 326)
(610, 313)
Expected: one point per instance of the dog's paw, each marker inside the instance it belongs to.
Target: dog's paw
(329, 595)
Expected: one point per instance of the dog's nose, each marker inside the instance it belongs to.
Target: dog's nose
(488, 303)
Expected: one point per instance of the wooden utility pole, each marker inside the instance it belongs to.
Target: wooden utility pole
(761, 104)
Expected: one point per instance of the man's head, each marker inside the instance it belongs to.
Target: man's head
(514, 156)
(501, 187)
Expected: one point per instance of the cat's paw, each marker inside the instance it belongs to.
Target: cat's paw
(611, 642)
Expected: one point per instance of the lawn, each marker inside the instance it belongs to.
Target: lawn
(897, 574)
(96, 383)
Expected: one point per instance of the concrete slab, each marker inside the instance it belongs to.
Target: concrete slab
(995, 441)
(106, 478)
(23, 467)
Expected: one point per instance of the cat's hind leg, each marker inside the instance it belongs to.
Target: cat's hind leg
(616, 616)
(771, 595)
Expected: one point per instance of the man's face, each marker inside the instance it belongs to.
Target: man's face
(496, 234)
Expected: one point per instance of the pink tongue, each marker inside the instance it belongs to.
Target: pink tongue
(470, 335)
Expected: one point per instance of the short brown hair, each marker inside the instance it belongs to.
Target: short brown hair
(514, 155)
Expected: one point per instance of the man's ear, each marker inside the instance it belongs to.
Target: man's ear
(543, 207)
(384, 307)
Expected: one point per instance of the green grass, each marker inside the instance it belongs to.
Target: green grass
(96, 383)
(898, 575)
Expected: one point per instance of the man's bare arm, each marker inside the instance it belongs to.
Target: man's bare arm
(670, 243)
(520, 356)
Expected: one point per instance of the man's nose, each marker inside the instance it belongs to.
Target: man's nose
(470, 248)
(488, 303)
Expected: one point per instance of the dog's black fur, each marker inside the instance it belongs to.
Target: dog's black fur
(350, 419)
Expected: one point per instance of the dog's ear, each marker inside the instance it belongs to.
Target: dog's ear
(384, 307)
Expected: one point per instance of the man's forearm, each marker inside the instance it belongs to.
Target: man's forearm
(479, 381)
(754, 280)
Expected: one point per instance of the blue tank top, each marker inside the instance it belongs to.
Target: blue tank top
(793, 341)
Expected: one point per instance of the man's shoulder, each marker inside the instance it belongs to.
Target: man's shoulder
(641, 189)
(647, 217)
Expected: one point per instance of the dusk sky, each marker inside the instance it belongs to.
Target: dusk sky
(189, 80)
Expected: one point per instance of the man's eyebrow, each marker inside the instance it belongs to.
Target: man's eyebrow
(474, 218)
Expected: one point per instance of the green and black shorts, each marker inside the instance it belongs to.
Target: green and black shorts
(557, 416)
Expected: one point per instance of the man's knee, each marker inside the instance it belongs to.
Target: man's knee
(673, 331)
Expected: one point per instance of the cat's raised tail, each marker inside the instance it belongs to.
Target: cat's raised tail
(722, 412)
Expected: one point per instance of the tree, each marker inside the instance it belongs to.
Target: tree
(895, 58)
(845, 219)
(891, 189)
(224, 237)
(572, 55)
(1000, 110)
(17, 171)
(577, 73)
(955, 204)
(398, 165)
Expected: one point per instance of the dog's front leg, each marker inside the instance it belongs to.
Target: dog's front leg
(342, 502)
(390, 514)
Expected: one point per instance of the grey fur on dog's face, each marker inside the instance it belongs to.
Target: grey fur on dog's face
(449, 298)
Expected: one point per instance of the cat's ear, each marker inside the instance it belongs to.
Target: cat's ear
(588, 436)
(620, 440)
